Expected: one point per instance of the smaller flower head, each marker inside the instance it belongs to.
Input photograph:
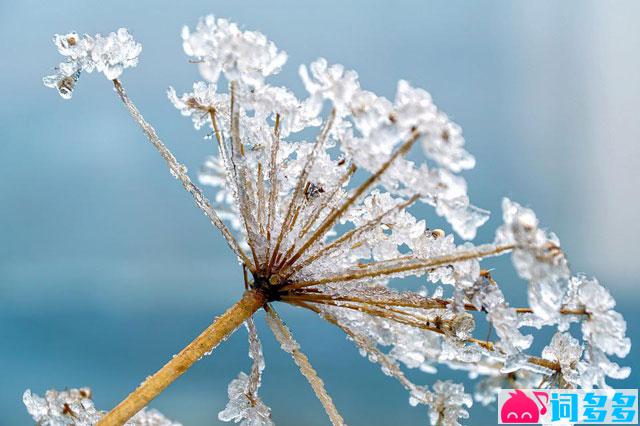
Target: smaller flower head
(109, 54)
(566, 351)
(221, 47)
(448, 404)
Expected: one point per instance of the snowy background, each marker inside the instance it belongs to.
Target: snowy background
(106, 267)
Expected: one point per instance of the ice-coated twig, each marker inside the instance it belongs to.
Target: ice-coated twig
(405, 299)
(244, 186)
(179, 171)
(419, 264)
(273, 187)
(423, 324)
(289, 345)
(255, 353)
(245, 406)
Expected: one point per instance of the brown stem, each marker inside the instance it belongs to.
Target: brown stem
(273, 190)
(224, 325)
(412, 301)
(289, 345)
(409, 267)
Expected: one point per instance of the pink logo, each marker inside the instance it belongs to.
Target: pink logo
(519, 408)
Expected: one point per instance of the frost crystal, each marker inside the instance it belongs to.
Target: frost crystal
(314, 195)
(74, 407)
(537, 257)
(244, 406)
(448, 405)
(330, 82)
(567, 351)
(604, 328)
(113, 53)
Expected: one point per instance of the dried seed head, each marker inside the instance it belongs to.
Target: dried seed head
(437, 233)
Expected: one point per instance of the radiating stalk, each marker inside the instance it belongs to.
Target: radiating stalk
(408, 267)
(273, 186)
(179, 171)
(247, 205)
(261, 200)
(393, 316)
(289, 345)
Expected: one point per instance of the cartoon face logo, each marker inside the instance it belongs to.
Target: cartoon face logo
(519, 408)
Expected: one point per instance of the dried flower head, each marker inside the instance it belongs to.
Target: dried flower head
(325, 224)
(109, 54)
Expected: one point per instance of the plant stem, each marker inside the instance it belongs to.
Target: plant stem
(418, 264)
(224, 325)
(180, 173)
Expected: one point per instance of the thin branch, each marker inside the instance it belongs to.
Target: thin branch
(244, 187)
(390, 314)
(563, 311)
(408, 267)
(289, 345)
(222, 327)
(273, 186)
(255, 352)
(376, 300)
(261, 199)
(179, 171)
(216, 128)
(399, 300)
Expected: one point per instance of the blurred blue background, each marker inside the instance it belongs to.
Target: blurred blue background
(106, 267)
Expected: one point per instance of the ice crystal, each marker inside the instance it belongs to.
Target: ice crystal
(449, 402)
(244, 406)
(74, 407)
(537, 257)
(604, 328)
(319, 192)
(566, 351)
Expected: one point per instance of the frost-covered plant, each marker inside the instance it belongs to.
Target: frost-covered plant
(75, 407)
(324, 224)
